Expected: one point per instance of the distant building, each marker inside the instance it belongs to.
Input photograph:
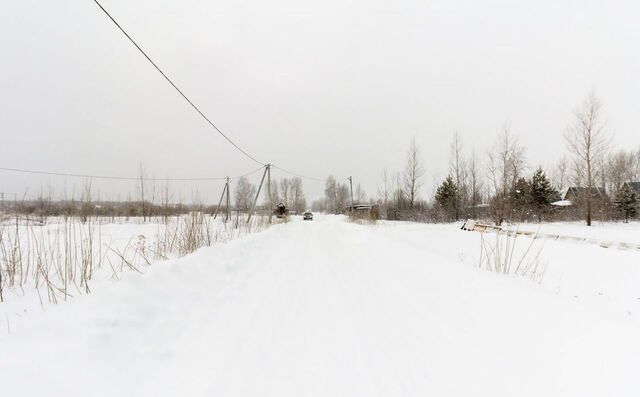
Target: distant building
(635, 187)
(371, 211)
(576, 194)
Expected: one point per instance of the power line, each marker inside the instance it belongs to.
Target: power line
(126, 178)
(298, 175)
(190, 102)
(175, 86)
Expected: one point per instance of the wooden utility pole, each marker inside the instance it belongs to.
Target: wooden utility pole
(266, 169)
(269, 191)
(224, 190)
(228, 202)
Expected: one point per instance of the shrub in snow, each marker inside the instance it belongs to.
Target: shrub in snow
(61, 259)
(503, 254)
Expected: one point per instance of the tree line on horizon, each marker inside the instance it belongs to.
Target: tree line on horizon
(151, 200)
(498, 186)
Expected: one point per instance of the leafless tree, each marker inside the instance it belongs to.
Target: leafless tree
(620, 169)
(275, 196)
(343, 198)
(244, 193)
(458, 171)
(561, 175)
(284, 191)
(331, 194)
(588, 142)
(384, 189)
(475, 183)
(506, 161)
(636, 166)
(413, 173)
(298, 201)
(398, 193)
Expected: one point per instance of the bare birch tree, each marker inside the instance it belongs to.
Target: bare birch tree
(620, 169)
(384, 189)
(475, 183)
(506, 162)
(561, 175)
(588, 142)
(343, 198)
(331, 194)
(458, 171)
(284, 191)
(244, 194)
(413, 173)
(275, 196)
(298, 201)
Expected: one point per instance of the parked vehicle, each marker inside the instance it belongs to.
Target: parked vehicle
(308, 216)
(280, 211)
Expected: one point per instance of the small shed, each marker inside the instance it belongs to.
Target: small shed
(370, 211)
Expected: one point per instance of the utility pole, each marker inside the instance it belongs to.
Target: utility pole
(228, 202)
(266, 169)
(351, 186)
(269, 191)
(224, 190)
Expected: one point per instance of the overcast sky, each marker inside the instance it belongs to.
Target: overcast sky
(333, 87)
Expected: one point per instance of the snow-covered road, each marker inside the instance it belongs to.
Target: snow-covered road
(322, 308)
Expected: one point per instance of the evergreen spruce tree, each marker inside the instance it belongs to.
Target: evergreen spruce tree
(542, 193)
(447, 197)
(520, 198)
(626, 203)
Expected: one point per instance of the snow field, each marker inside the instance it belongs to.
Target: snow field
(332, 308)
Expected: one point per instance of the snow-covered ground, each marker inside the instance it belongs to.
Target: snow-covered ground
(602, 231)
(331, 308)
(42, 263)
(577, 269)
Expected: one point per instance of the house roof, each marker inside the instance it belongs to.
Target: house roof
(596, 192)
(635, 186)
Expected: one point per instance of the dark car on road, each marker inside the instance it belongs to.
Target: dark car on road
(307, 216)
